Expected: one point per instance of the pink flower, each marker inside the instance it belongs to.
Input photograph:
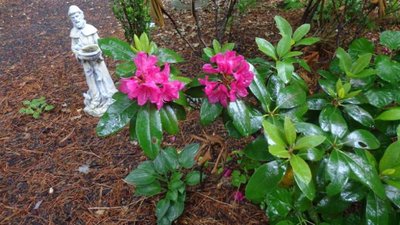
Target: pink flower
(235, 78)
(238, 196)
(150, 83)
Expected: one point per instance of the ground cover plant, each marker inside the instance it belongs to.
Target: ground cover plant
(319, 155)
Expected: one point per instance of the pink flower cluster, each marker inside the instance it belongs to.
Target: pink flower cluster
(235, 77)
(150, 83)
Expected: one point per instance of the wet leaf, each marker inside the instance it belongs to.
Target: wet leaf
(331, 120)
(209, 112)
(362, 139)
(149, 130)
(376, 210)
(240, 115)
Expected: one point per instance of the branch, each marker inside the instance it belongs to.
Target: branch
(196, 19)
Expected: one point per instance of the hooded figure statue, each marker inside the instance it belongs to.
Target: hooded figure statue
(84, 45)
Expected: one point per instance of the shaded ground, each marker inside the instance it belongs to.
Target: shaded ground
(39, 159)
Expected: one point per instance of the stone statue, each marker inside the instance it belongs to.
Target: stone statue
(84, 45)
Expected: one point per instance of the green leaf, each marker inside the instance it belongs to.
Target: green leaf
(391, 157)
(273, 134)
(48, 107)
(279, 151)
(36, 115)
(390, 114)
(390, 39)
(344, 60)
(362, 139)
(125, 69)
(331, 120)
(285, 71)
(149, 130)
(176, 208)
(290, 131)
(117, 116)
(290, 97)
(186, 156)
(393, 194)
(259, 90)
(168, 56)
(354, 192)
(294, 54)
(169, 120)
(364, 172)
(361, 63)
(361, 46)
(258, 149)
(240, 115)
(162, 208)
(316, 103)
(338, 173)
(116, 48)
(148, 189)
(283, 25)
(209, 52)
(379, 97)
(307, 142)
(301, 31)
(266, 47)
(308, 189)
(308, 129)
(359, 114)
(216, 46)
(143, 175)
(193, 178)
(264, 180)
(228, 46)
(388, 69)
(301, 169)
(209, 112)
(284, 46)
(279, 203)
(307, 41)
(376, 210)
(166, 161)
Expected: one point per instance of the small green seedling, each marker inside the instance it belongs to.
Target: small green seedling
(35, 107)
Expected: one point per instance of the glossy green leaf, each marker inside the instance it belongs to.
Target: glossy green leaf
(284, 46)
(143, 175)
(264, 180)
(258, 149)
(393, 194)
(312, 154)
(162, 208)
(166, 161)
(117, 116)
(391, 157)
(344, 59)
(361, 63)
(216, 46)
(388, 69)
(168, 56)
(259, 90)
(308, 189)
(266, 47)
(353, 192)
(307, 142)
(125, 69)
(283, 26)
(301, 169)
(240, 115)
(316, 103)
(279, 203)
(361, 46)
(273, 134)
(379, 97)
(390, 39)
(359, 114)
(186, 156)
(285, 71)
(148, 190)
(390, 114)
(364, 172)
(362, 139)
(301, 31)
(290, 131)
(169, 120)
(337, 170)
(209, 112)
(376, 210)
(290, 97)
(176, 208)
(116, 48)
(308, 129)
(294, 54)
(149, 130)
(193, 178)
(307, 41)
(331, 120)
(279, 151)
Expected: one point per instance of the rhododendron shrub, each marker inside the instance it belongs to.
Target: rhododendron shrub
(149, 97)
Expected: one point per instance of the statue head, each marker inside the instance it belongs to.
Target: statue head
(76, 16)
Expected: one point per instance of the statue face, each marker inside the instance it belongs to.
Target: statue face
(78, 20)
